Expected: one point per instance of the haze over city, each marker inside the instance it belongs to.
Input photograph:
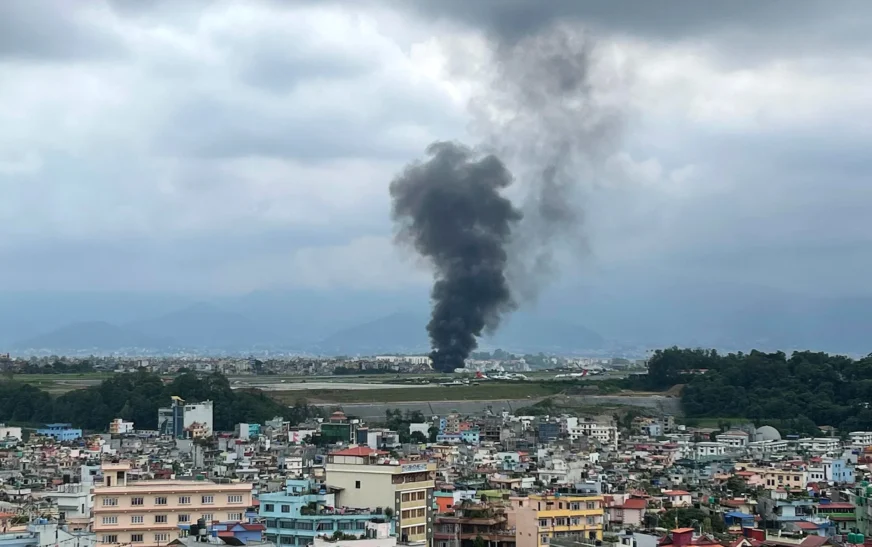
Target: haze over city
(227, 164)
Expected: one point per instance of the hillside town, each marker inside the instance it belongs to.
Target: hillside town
(494, 480)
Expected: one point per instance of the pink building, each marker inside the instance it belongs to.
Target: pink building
(149, 513)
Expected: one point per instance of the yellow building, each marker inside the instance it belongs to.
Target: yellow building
(369, 479)
(540, 518)
(150, 512)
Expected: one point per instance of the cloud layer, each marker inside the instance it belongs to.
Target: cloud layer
(232, 146)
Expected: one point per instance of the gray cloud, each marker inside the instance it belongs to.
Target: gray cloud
(234, 145)
(48, 30)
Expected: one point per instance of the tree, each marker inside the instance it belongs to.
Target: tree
(418, 438)
(736, 485)
(479, 542)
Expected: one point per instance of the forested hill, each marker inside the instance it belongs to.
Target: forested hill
(804, 389)
(136, 397)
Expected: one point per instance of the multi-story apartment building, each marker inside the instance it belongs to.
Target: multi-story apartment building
(541, 518)
(151, 512)
(820, 445)
(305, 510)
(487, 521)
(369, 479)
(606, 435)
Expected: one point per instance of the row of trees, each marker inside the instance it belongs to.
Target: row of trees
(137, 396)
(799, 392)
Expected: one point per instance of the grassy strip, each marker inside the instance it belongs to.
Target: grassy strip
(482, 392)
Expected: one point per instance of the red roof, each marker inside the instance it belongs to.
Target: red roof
(635, 503)
(805, 525)
(676, 493)
(358, 451)
(837, 505)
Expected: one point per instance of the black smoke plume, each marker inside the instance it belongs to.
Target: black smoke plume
(450, 208)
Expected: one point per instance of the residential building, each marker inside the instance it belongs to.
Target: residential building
(541, 518)
(120, 427)
(820, 445)
(9, 434)
(149, 512)
(734, 439)
(306, 509)
(74, 501)
(860, 438)
(183, 419)
(368, 478)
(471, 521)
(60, 432)
(678, 498)
(627, 512)
(337, 429)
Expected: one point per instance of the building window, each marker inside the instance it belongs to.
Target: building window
(160, 500)
(137, 501)
(184, 518)
(207, 517)
(110, 520)
(591, 520)
(269, 507)
(137, 519)
(421, 513)
(345, 525)
(235, 498)
(208, 500)
(407, 496)
(110, 502)
(357, 484)
(286, 508)
(270, 523)
(135, 538)
(162, 537)
(109, 539)
(160, 519)
(271, 537)
(184, 500)
(422, 495)
(591, 505)
(543, 523)
(287, 540)
(234, 516)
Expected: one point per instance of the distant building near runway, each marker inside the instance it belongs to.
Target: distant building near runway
(411, 359)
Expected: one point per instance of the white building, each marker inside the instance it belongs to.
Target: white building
(120, 427)
(200, 413)
(820, 445)
(861, 438)
(710, 449)
(75, 502)
(767, 447)
(734, 439)
(606, 435)
(8, 433)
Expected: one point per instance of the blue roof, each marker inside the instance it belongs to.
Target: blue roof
(738, 515)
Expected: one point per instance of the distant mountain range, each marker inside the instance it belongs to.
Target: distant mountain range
(611, 318)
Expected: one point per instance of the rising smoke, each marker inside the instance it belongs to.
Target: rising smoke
(536, 108)
(450, 209)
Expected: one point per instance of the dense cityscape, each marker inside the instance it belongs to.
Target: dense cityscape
(435, 273)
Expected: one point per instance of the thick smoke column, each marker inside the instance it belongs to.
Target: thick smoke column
(547, 105)
(450, 209)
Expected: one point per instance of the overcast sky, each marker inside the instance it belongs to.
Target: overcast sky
(231, 146)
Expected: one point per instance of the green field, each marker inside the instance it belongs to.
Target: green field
(482, 392)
